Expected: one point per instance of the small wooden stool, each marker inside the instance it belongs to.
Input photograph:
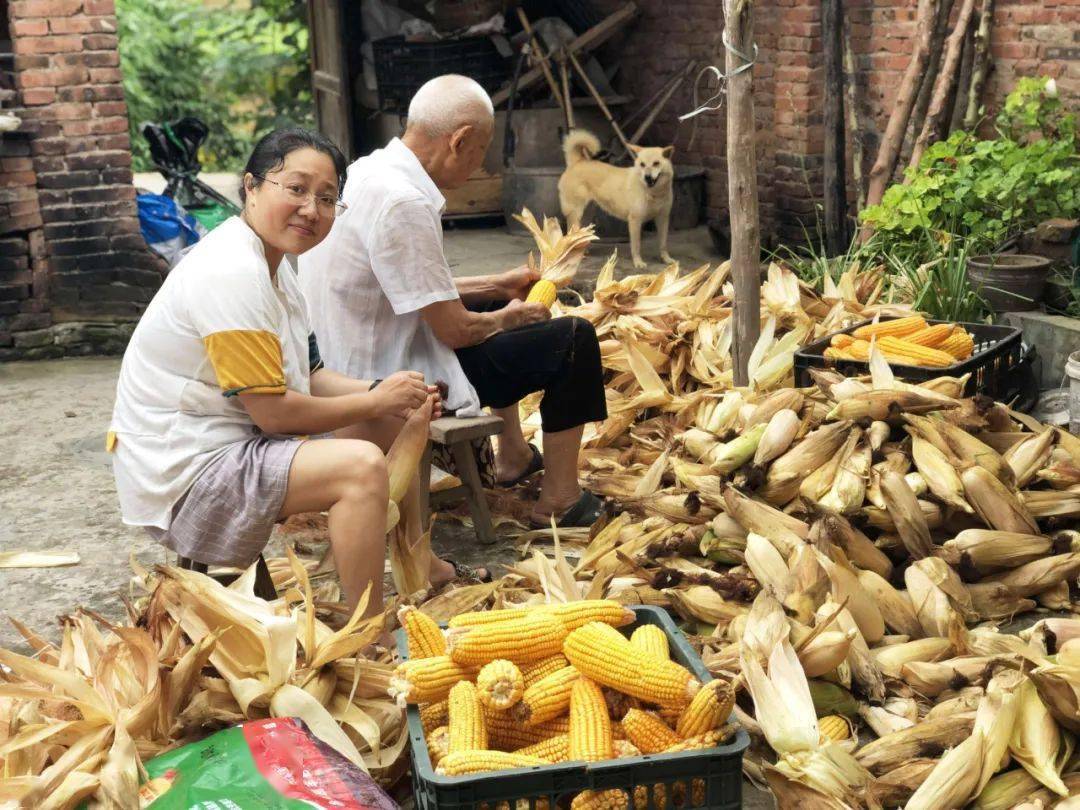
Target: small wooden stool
(264, 583)
(457, 433)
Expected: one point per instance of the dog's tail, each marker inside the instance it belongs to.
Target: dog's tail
(580, 144)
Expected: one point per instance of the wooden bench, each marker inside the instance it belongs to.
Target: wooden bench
(264, 583)
(457, 433)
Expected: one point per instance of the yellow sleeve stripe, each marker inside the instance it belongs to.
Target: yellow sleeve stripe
(110, 441)
(246, 361)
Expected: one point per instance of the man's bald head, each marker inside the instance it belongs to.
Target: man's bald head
(447, 103)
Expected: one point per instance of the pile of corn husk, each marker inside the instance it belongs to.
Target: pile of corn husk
(560, 253)
(78, 718)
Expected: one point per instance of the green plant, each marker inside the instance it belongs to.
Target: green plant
(938, 286)
(989, 190)
(242, 70)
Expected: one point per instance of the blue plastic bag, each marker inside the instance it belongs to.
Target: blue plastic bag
(167, 228)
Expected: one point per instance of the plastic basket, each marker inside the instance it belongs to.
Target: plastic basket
(402, 67)
(997, 355)
(718, 770)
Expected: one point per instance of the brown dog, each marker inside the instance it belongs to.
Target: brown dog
(635, 194)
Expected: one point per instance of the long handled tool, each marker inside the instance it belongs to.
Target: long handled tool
(599, 100)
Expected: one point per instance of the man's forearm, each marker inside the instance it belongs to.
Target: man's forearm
(478, 289)
(327, 383)
(293, 413)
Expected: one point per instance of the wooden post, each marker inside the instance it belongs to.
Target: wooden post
(836, 237)
(981, 64)
(742, 184)
(851, 108)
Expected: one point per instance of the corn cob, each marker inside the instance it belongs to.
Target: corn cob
(537, 635)
(438, 743)
(433, 715)
(426, 680)
(613, 799)
(959, 344)
(650, 639)
(542, 292)
(709, 739)
(834, 727)
(648, 732)
(531, 673)
(659, 796)
(669, 714)
(590, 726)
(914, 354)
(841, 341)
(617, 731)
(547, 698)
(602, 653)
(422, 633)
(932, 336)
(467, 729)
(507, 734)
(478, 617)
(832, 353)
(895, 327)
(468, 762)
(574, 614)
(553, 749)
(625, 748)
(500, 684)
(709, 708)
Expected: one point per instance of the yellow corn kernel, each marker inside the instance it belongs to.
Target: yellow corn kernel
(478, 617)
(547, 698)
(590, 726)
(500, 684)
(602, 653)
(553, 749)
(467, 729)
(508, 734)
(709, 708)
(834, 727)
(659, 796)
(648, 732)
(841, 341)
(896, 327)
(710, 739)
(575, 614)
(625, 748)
(531, 673)
(613, 799)
(433, 715)
(652, 640)
(467, 762)
(617, 731)
(932, 336)
(913, 354)
(422, 633)
(530, 638)
(959, 344)
(427, 680)
(438, 743)
(669, 714)
(832, 353)
(856, 350)
(542, 292)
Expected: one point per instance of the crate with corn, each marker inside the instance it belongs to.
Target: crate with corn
(528, 687)
(909, 341)
(560, 255)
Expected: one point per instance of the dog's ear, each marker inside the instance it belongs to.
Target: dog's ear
(634, 148)
(668, 151)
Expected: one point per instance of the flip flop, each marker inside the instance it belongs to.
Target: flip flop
(463, 571)
(582, 514)
(535, 465)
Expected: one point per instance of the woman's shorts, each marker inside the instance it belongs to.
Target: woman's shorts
(226, 517)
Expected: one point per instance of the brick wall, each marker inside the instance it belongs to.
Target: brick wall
(94, 274)
(1030, 37)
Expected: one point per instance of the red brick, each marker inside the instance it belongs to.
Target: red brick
(38, 96)
(17, 164)
(69, 111)
(71, 25)
(104, 109)
(100, 7)
(106, 75)
(44, 8)
(50, 44)
(53, 78)
(106, 126)
(29, 28)
(100, 42)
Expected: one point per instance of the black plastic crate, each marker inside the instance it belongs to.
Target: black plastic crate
(993, 363)
(402, 67)
(719, 768)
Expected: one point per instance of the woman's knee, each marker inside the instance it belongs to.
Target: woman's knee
(362, 469)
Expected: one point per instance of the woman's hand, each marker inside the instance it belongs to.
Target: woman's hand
(401, 393)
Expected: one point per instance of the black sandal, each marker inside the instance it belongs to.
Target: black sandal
(535, 465)
(582, 514)
(463, 571)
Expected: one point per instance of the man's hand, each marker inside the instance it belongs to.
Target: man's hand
(401, 393)
(516, 283)
(518, 313)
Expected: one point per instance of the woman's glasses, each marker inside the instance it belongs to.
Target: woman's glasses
(325, 204)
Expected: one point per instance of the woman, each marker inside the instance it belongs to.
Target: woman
(222, 383)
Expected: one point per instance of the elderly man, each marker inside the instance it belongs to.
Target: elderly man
(382, 299)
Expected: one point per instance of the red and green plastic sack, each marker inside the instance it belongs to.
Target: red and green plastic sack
(273, 764)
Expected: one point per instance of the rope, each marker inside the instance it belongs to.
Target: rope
(715, 102)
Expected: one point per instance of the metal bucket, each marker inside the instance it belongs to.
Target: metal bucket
(536, 188)
(1009, 282)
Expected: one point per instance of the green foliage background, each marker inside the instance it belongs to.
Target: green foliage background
(240, 67)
